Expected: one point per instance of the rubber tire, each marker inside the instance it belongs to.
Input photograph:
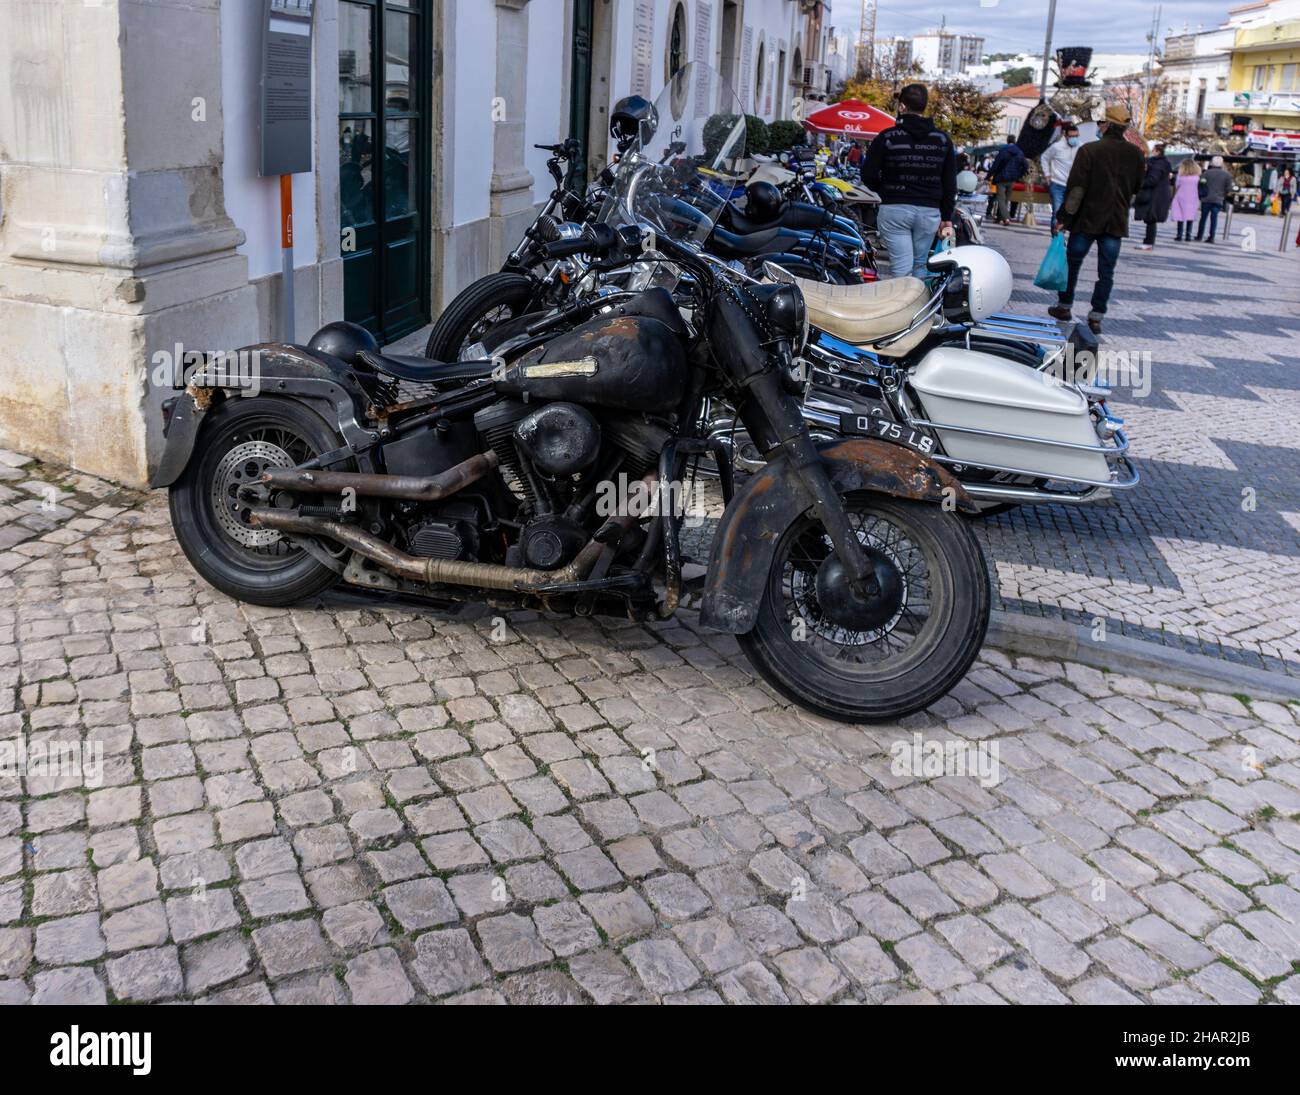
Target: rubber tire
(774, 653)
(203, 541)
(470, 306)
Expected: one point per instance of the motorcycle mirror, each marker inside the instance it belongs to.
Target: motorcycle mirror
(776, 272)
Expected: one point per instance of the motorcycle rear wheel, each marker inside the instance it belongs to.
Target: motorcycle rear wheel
(474, 311)
(209, 504)
(907, 662)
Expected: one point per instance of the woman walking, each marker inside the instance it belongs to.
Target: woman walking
(1187, 202)
(1286, 190)
(1156, 195)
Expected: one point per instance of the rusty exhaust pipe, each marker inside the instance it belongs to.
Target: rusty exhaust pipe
(413, 488)
(459, 572)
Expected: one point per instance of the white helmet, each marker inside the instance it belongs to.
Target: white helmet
(987, 277)
(967, 182)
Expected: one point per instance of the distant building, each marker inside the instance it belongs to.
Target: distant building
(946, 53)
(1262, 93)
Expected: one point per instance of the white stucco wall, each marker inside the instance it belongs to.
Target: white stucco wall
(254, 202)
(547, 120)
(474, 70)
(771, 22)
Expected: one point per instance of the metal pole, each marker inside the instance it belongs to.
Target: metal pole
(286, 255)
(1286, 228)
(1047, 48)
(1227, 222)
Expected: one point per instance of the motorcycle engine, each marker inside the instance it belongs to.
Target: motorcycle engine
(551, 457)
(451, 533)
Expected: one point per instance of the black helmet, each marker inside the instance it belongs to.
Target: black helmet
(343, 340)
(633, 117)
(762, 202)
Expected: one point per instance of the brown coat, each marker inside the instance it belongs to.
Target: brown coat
(1105, 177)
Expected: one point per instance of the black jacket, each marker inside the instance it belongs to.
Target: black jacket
(1105, 176)
(1157, 192)
(913, 163)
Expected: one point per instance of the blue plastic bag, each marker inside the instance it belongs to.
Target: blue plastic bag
(1054, 273)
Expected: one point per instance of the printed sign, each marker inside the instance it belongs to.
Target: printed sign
(286, 87)
(746, 65)
(1271, 140)
(703, 41)
(643, 32)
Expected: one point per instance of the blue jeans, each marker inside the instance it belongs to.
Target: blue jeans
(1211, 210)
(1057, 194)
(908, 232)
(1107, 255)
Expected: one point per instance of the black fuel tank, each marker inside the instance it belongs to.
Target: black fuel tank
(632, 362)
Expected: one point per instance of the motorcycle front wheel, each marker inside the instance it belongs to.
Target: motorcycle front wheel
(475, 311)
(210, 503)
(889, 655)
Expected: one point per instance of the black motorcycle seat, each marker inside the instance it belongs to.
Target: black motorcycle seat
(424, 370)
(730, 245)
(792, 215)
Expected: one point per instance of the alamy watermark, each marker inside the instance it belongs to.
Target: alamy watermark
(922, 759)
(82, 761)
(236, 369)
(1109, 367)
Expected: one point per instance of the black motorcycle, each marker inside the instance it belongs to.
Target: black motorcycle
(521, 285)
(553, 478)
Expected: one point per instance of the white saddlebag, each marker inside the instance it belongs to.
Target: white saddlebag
(992, 396)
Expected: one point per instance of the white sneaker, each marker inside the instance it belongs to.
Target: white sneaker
(1147, 247)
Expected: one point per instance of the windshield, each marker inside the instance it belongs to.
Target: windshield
(676, 178)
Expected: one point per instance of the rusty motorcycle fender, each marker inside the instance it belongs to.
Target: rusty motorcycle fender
(285, 371)
(746, 539)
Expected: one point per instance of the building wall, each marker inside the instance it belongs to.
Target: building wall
(1272, 52)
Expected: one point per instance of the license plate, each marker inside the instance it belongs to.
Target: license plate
(862, 425)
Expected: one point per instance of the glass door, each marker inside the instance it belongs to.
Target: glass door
(383, 164)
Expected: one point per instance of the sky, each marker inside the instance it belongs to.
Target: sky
(1012, 26)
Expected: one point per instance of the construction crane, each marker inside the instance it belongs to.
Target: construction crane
(866, 40)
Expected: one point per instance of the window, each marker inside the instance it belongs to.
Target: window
(677, 41)
(1289, 78)
(760, 77)
(1260, 79)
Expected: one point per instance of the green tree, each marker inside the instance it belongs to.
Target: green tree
(964, 112)
(1014, 77)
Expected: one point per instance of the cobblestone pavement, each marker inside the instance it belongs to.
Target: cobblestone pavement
(1204, 553)
(382, 805)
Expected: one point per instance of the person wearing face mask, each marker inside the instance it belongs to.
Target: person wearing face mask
(1056, 163)
(1098, 196)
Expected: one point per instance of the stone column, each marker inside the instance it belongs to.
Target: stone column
(114, 239)
(511, 207)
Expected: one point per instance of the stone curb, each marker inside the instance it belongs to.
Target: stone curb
(1058, 639)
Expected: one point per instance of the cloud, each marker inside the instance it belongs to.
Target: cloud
(1010, 26)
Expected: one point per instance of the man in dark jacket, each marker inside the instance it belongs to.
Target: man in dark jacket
(1105, 177)
(1216, 185)
(1009, 166)
(1155, 196)
(912, 166)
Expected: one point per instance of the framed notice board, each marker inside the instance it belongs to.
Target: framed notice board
(286, 87)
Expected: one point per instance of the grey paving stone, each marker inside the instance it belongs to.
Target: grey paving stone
(377, 977)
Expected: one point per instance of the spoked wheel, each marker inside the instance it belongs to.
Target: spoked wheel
(212, 501)
(475, 311)
(884, 655)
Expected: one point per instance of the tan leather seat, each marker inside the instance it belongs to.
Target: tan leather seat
(864, 314)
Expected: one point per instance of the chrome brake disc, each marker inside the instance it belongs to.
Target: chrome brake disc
(237, 488)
